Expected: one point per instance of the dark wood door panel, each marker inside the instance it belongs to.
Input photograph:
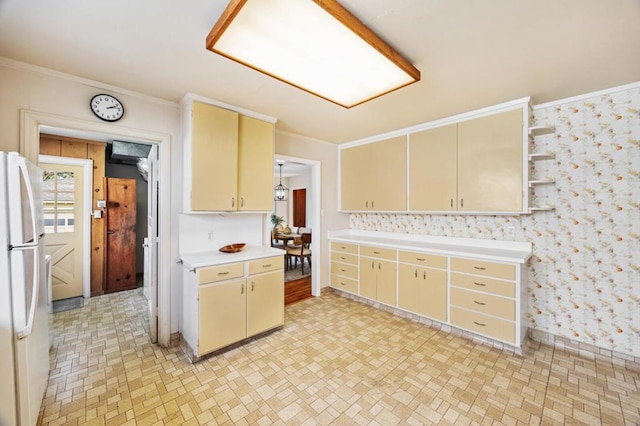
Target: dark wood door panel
(121, 234)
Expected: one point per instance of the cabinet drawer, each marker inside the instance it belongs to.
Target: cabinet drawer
(344, 247)
(488, 285)
(485, 303)
(423, 259)
(266, 265)
(479, 267)
(378, 252)
(345, 284)
(482, 324)
(344, 270)
(212, 274)
(351, 259)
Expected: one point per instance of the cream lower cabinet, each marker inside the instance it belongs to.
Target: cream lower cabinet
(378, 270)
(344, 267)
(422, 284)
(227, 303)
(483, 298)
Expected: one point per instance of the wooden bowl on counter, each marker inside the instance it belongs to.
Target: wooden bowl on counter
(232, 248)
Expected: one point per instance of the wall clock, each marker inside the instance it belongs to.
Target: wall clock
(107, 107)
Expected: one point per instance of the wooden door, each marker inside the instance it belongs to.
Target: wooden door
(265, 302)
(390, 175)
(255, 164)
(63, 196)
(433, 169)
(121, 234)
(214, 158)
(300, 208)
(222, 314)
(490, 163)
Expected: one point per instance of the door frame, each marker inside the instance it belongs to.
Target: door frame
(87, 173)
(30, 124)
(317, 219)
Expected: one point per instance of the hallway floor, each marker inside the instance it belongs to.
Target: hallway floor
(335, 361)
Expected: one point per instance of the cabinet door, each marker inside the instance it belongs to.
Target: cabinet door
(386, 282)
(490, 162)
(423, 291)
(265, 302)
(222, 314)
(390, 175)
(356, 177)
(214, 158)
(368, 277)
(433, 169)
(255, 164)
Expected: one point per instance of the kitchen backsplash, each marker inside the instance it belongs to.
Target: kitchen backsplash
(584, 276)
(205, 232)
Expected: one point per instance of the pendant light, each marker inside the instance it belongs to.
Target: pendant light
(280, 192)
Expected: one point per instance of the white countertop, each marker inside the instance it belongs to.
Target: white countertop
(501, 251)
(214, 257)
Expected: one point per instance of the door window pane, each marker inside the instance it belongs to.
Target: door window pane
(58, 191)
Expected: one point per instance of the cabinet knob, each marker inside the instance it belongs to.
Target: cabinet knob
(416, 273)
(242, 288)
(461, 202)
(233, 201)
(241, 201)
(424, 275)
(252, 285)
(452, 203)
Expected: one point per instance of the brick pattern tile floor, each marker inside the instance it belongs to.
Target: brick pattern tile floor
(336, 361)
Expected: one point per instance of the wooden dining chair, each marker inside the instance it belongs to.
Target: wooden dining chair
(273, 243)
(303, 252)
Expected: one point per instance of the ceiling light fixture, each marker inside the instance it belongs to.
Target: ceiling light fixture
(280, 192)
(315, 45)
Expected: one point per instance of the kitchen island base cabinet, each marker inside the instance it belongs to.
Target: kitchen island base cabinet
(265, 296)
(223, 313)
(225, 304)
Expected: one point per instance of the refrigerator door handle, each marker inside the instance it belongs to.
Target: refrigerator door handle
(26, 330)
(22, 165)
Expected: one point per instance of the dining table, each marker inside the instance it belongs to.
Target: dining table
(285, 238)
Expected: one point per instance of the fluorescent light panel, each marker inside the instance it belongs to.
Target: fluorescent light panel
(315, 45)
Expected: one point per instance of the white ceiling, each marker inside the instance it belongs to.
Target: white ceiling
(471, 54)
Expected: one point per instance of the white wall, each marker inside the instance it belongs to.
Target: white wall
(292, 145)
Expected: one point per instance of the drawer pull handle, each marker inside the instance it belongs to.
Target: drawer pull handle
(341, 283)
(268, 265)
(343, 247)
(479, 268)
(343, 258)
(479, 303)
(420, 259)
(480, 284)
(223, 273)
(480, 324)
(376, 252)
(342, 270)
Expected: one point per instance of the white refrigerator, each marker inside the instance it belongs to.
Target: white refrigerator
(24, 304)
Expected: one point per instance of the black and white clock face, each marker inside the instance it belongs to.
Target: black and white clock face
(107, 108)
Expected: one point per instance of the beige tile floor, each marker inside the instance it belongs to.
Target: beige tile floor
(336, 361)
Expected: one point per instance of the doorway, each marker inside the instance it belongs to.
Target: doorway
(32, 123)
(313, 212)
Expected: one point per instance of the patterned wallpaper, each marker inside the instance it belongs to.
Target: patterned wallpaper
(584, 276)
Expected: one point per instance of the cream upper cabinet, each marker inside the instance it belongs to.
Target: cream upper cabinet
(255, 164)
(229, 161)
(374, 176)
(490, 163)
(433, 169)
(214, 158)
